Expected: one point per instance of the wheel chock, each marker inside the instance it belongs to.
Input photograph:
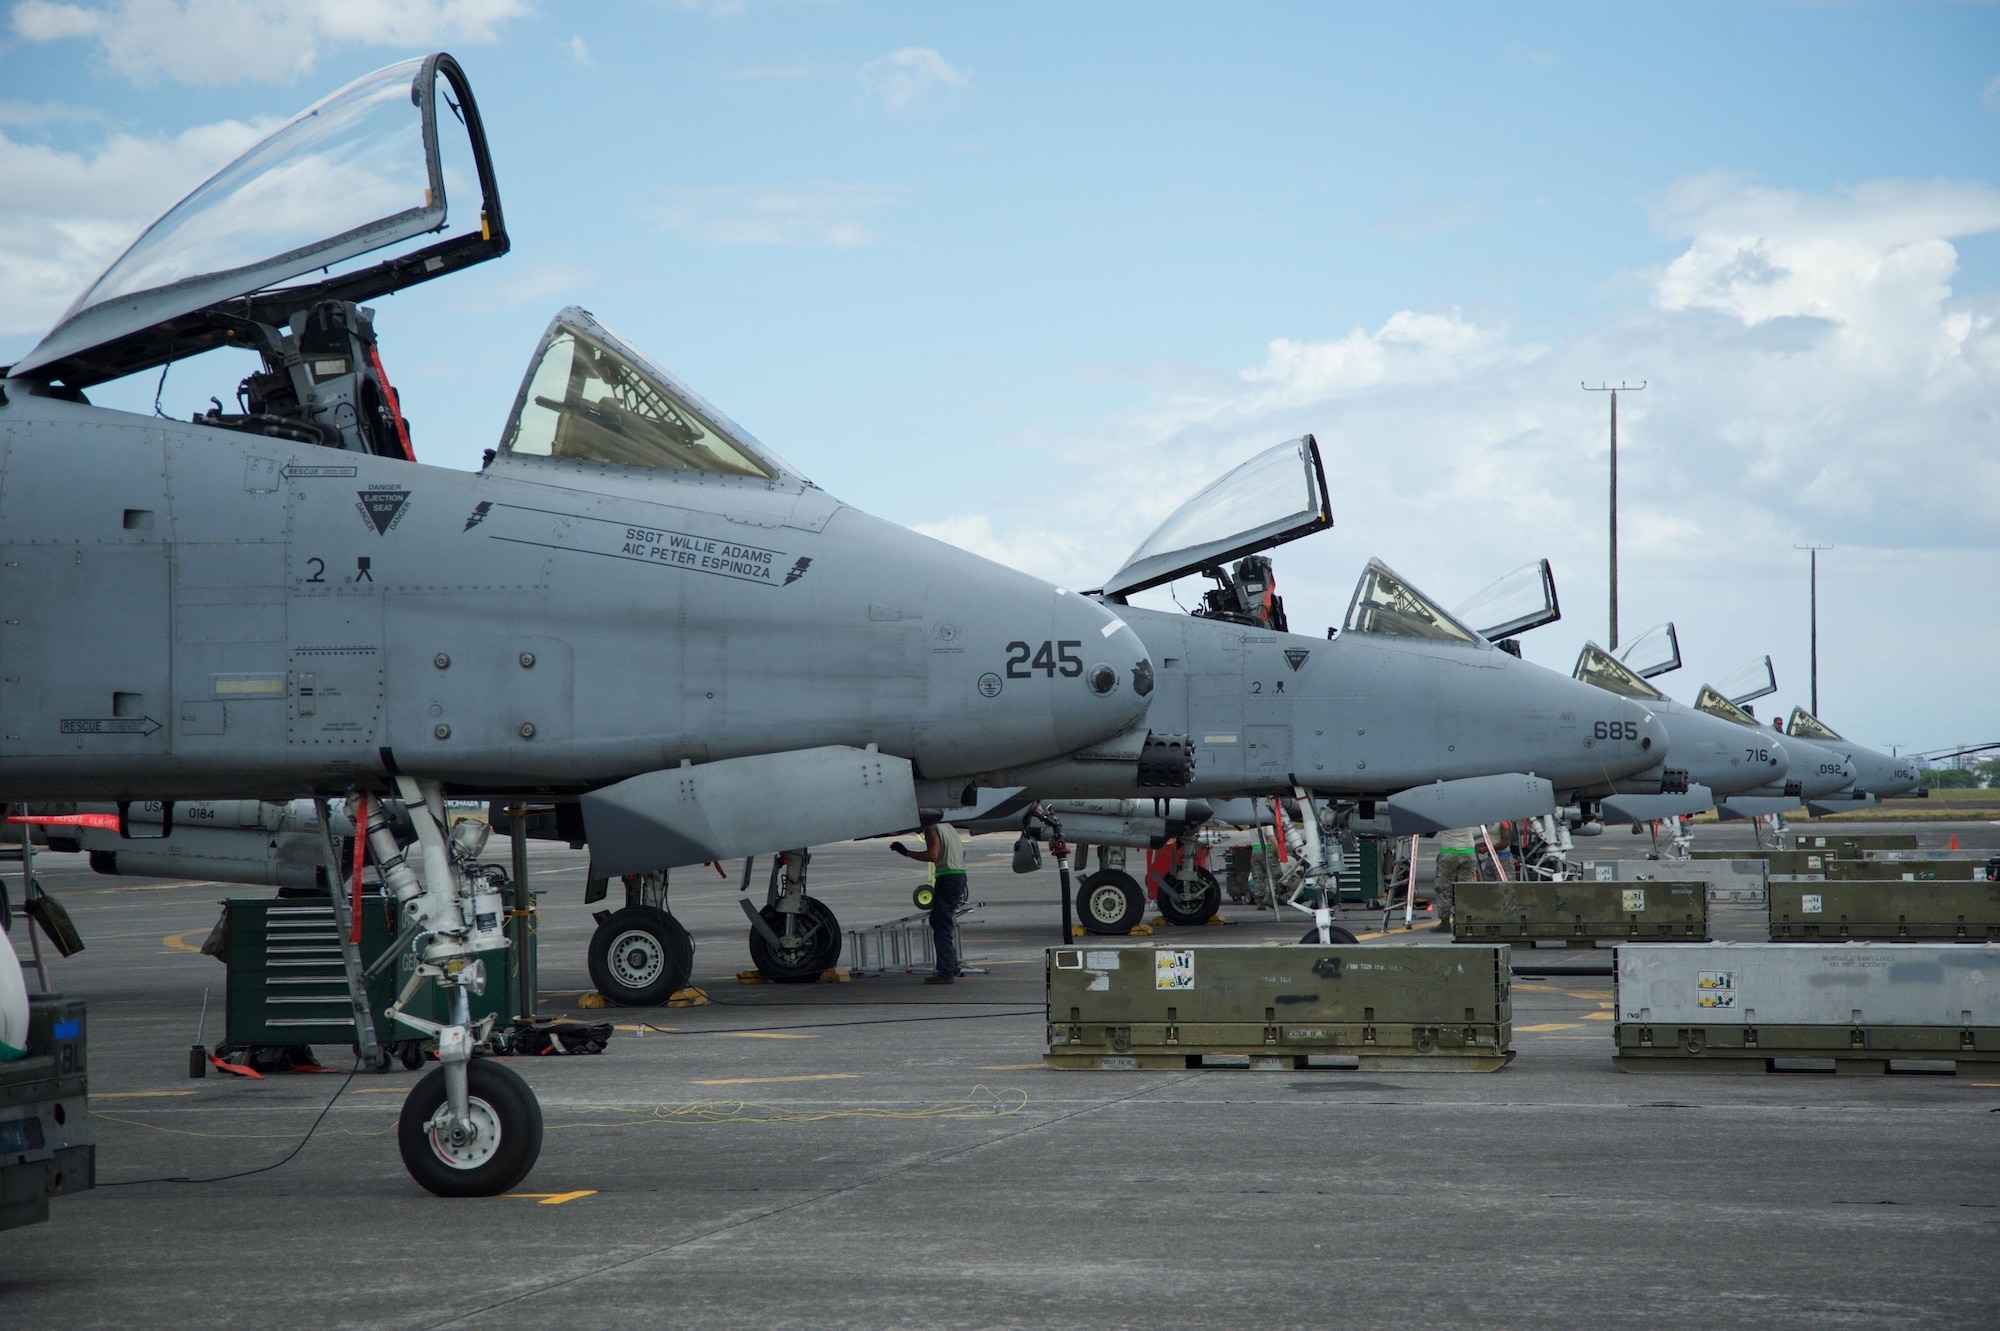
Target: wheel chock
(751, 977)
(1139, 929)
(1215, 920)
(836, 975)
(688, 998)
(591, 999)
(1157, 919)
(1076, 931)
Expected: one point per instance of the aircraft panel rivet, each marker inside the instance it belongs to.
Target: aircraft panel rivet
(441, 730)
(527, 730)
(441, 661)
(527, 660)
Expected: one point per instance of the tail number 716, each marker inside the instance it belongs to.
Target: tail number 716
(1051, 658)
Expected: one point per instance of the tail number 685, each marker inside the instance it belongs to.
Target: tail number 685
(1616, 730)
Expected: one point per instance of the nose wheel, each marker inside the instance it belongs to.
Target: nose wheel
(488, 1154)
(640, 956)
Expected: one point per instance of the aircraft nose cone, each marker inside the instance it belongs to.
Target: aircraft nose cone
(1653, 738)
(1779, 762)
(1104, 679)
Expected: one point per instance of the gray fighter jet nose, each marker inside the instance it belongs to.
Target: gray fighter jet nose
(1110, 692)
(1651, 730)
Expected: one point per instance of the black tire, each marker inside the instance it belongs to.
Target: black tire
(923, 897)
(501, 1103)
(1175, 909)
(385, 1058)
(818, 950)
(1334, 934)
(412, 1054)
(1110, 902)
(640, 957)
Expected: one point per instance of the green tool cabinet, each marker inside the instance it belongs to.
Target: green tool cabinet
(287, 985)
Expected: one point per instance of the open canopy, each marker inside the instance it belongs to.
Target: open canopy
(1749, 682)
(1385, 603)
(1711, 701)
(355, 173)
(1655, 652)
(1522, 600)
(1277, 496)
(1807, 726)
(590, 397)
(1596, 666)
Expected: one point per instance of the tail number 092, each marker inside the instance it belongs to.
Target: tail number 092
(1051, 658)
(1616, 730)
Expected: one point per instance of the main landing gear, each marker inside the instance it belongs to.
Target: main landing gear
(641, 956)
(794, 939)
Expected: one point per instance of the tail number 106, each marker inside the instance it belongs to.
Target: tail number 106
(1616, 730)
(1051, 658)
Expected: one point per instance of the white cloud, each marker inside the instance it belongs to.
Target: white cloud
(579, 51)
(1426, 217)
(228, 41)
(901, 77)
(831, 214)
(65, 215)
(1814, 376)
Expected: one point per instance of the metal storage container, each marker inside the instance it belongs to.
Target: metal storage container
(1580, 913)
(1885, 909)
(1742, 1006)
(1738, 881)
(1280, 1005)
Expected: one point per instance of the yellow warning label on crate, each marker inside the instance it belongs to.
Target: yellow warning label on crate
(1173, 970)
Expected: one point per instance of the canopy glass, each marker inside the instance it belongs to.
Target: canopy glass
(1277, 496)
(1385, 603)
(1596, 666)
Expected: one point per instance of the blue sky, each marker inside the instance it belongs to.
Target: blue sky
(1028, 275)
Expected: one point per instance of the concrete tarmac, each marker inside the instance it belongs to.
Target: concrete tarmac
(883, 1153)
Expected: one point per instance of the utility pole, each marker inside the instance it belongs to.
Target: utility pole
(1815, 549)
(1623, 387)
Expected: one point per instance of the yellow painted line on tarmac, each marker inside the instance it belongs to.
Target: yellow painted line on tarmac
(1986, 1083)
(1552, 1026)
(552, 1198)
(382, 1090)
(636, 1026)
(1600, 1016)
(135, 1095)
(1009, 1067)
(759, 1081)
(178, 942)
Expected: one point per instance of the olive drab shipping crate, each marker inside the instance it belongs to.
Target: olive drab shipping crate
(1280, 1006)
(1858, 1007)
(1580, 913)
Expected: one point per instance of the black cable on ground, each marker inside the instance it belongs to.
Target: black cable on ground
(261, 1169)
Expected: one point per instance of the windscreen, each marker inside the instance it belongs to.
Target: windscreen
(1522, 600)
(586, 401)
(355, 163)
(1384, 603)
(1596, 666)
(1749, 682)
(1655, 652)
(1807, 726)
(1275, 496)
(1713, 703)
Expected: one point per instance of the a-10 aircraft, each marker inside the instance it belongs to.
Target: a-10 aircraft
(1404, 712)
(636, 604)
